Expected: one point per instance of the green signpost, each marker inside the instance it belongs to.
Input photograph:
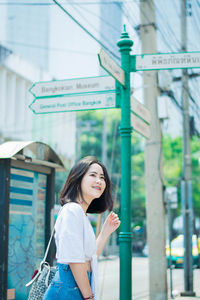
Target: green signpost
(137, 115)
(104, 92)
(141, 119)
(125, 236)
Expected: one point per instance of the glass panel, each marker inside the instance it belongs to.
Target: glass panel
(26, 228)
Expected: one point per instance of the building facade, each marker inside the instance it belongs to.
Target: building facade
(27, 31)
(17, 121)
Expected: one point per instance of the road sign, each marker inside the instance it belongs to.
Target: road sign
(111, 67)
(140, 126)
(140, 110)
(172, 197)
(160, 61)
(73, 103)
(73, 86)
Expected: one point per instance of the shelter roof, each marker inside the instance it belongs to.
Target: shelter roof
(30, 151)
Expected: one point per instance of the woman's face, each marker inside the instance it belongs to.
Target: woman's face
(93, 183)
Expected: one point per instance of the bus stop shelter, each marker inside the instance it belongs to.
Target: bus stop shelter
(27, 198)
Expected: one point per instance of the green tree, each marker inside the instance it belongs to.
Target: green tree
(173, 161)
(90, 143)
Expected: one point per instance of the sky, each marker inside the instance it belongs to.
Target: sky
(80, 58)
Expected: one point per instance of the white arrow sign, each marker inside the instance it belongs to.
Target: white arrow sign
(140, 110)
(166, 61)
(73, 86)
(73, 103)
(111, 67)
(140, 126)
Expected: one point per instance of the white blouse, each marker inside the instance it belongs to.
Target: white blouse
(75, 239)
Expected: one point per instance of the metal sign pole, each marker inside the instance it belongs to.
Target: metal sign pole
(125, 236)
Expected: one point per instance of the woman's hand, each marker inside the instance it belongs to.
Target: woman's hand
(111, 223)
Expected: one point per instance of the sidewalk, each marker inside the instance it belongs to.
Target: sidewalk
(109, 280)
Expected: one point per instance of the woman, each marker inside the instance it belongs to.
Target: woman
(87, 190)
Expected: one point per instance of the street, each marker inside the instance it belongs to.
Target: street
(109, 279)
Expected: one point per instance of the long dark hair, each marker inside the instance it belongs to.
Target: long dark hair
(72, 187)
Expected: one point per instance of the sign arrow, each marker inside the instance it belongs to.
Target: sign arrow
(73, 103)
(72, 86)
(161, 61)
(140, 110)
(111, 67)
(140, 126)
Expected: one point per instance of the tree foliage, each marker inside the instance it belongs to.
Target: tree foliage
(90, 142)
(173, 167)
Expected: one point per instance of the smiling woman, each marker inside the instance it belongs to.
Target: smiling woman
(93, 184)
(87, 190)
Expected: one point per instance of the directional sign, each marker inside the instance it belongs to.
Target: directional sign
(140, 126)
(162, 61)
(111, 67)
(172, 197)
(73, 86)
(140, 110)
(73, 103)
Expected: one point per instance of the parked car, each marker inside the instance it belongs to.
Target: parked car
(177, 251)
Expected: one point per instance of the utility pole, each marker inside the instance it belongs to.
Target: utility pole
(186, 184)
(155, 209)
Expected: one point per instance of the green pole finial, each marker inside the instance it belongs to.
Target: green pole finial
(125, 43)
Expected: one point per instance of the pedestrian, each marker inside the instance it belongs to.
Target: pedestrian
(87, 190)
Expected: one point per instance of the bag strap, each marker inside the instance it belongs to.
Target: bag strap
(49, 243)
(50, 239)
(43, 262)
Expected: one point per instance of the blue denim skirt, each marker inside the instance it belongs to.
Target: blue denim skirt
(63, 285)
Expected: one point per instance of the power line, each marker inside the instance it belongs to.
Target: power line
(88, 32)
(198, 3)
(170, 32)
(68, 3)
(166, 37)
(91, 25)
(195, 20)
(46, 48)
(101, 18)
(104, 20)
(163, 37)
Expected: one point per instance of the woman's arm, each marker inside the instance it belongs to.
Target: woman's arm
(79, 271)
(111, 223)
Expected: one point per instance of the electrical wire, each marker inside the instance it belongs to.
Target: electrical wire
(46, 48)
(163, 37)
(198, 3)
(169, 46)
(92, 26)
(126, 12)
(68, 3)
(195, 20)
(102, 19)
(62, 50)
(84, 29)
(169, 31)
(129, 20)
(132, 13)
